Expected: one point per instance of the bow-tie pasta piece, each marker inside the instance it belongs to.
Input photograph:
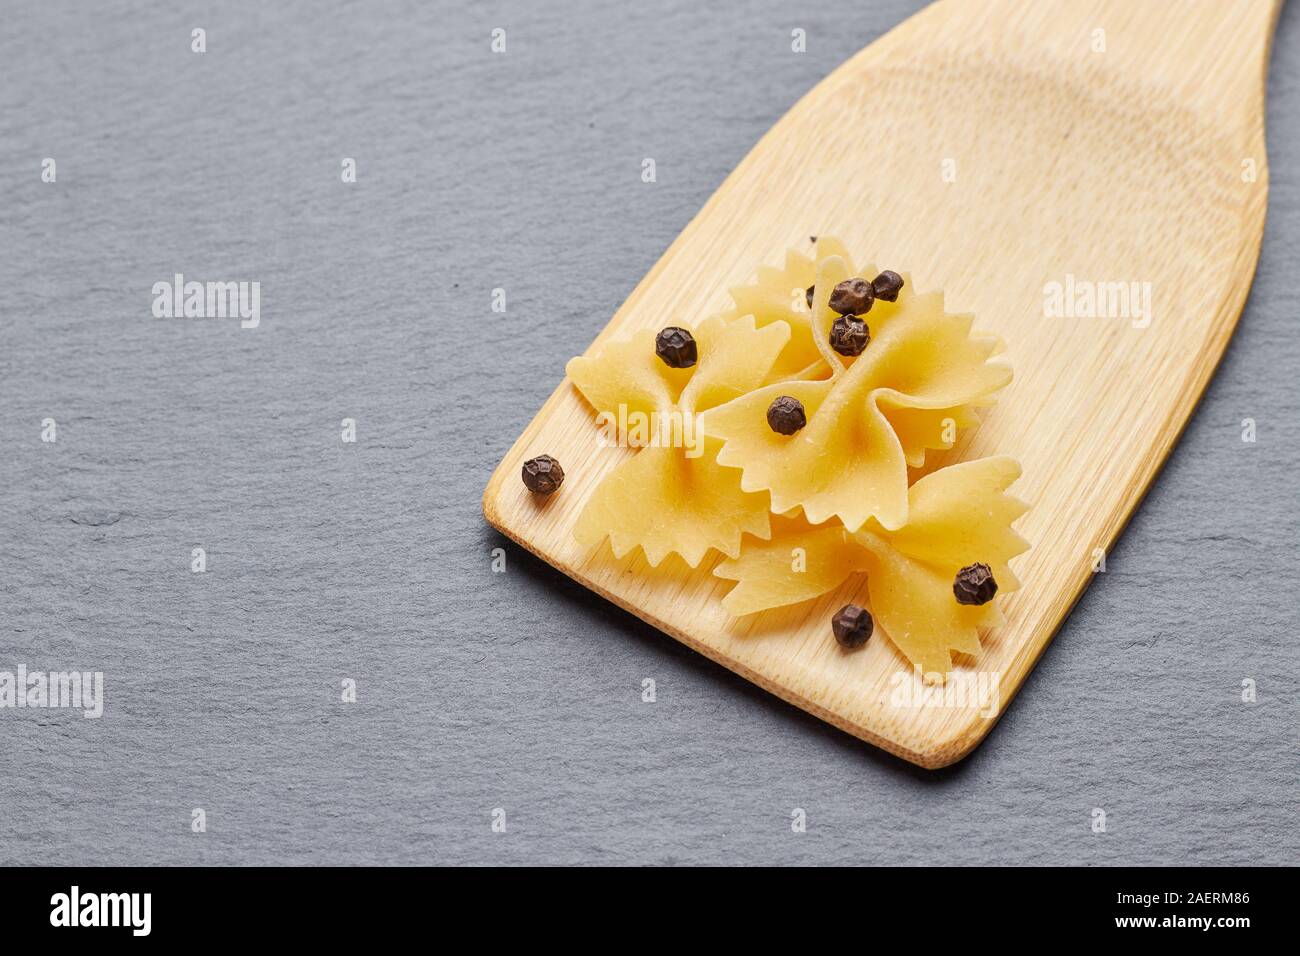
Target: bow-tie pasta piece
(626, 374)
(797, 562)
(879, 314)
(961, 515)
(920, 430)
(799, 295)
(920, 377)
(666, 502)
(781, 295)
(671, 496)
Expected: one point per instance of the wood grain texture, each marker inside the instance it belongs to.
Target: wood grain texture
(1122, 164)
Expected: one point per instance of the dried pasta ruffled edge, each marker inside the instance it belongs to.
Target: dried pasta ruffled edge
(963, 513)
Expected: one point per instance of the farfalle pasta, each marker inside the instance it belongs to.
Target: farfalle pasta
(781, 295)
(672, 496)
(959, 515)
(783, 433)
(916, 384)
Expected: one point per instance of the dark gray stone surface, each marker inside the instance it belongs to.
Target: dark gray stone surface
(372, 562)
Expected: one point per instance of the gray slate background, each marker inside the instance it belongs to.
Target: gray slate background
(372, 560)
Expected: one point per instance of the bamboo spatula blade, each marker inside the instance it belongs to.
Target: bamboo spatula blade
(1013, 154)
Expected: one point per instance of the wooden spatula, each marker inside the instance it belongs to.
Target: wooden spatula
(1021, 156)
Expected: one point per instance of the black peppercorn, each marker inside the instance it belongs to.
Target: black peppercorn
(809, 294)
(849, 335)
(852, 297)
(785, 415)
(974, 584)
(543, 475)
(852, 626)
(676, 347)
(887, 285)
(812, 238)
